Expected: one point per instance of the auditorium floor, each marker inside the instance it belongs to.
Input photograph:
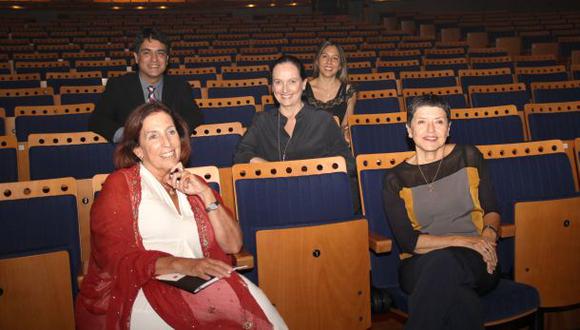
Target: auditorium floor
(388, 321)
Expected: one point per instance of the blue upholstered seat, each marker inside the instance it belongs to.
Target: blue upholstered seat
(378, 133)
(451, 66)
(556, 95)
(57, 83)
(215, 150)
(8, 163)
(282, 202)
(371, 85)
(558, 125)
(42, 70)
(386, 67)
(430, 82)
(255, 91)
(9, 103)
(20, 83)
(26, 125)
(62, 159)
(528, 78)
(377, 105)
(41, 224)
(487, 130)
(467, 81)
(493, 65)
(224, 112)
(480, 126)
(530, 64)
(456, 101)
(495, 95)
(526, 178)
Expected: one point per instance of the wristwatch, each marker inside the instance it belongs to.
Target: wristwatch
(212, 206)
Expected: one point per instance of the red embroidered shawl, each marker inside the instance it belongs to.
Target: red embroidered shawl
(119, 266)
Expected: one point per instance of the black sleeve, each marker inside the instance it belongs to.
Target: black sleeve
(186, 106)
(337, 146)
(396, 212)
(487, 195)
(102, 121)
(249, 145)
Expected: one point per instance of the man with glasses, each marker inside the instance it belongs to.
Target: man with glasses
(149, 84)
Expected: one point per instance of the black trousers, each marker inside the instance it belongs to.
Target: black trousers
(444, 288)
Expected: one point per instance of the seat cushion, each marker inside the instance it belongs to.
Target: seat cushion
(508, 300)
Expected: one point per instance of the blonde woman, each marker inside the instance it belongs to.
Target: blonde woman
(329, 89)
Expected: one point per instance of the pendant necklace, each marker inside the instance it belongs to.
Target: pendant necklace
(430, 184)
(282, 154)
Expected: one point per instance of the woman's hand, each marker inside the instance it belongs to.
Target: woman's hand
(483, 247)
(187, 183)
(204, 268)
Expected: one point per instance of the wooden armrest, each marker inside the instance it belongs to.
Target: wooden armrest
(379, 243)
(508, 230)
(244, 258)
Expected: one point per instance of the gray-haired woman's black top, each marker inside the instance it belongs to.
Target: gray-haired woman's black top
(454, 205)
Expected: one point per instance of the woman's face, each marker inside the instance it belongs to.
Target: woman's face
(159, 144)
(329, 61)
(287, 85)
(429, 128)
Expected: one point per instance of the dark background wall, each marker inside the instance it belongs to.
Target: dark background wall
(374, 10)
(459, 5)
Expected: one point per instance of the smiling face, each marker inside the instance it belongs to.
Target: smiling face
(329, 62)
(159, 144)
(152, 60)
(429, 128)
(287, 85)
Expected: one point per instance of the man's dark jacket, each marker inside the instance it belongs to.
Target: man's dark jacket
(123, 94)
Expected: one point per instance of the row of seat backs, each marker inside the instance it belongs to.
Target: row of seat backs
(369, 101)
(259, 87)
(83, 154)
(379, 101)
(428, 57)
(370, 134)
(409, 74)
(304, 194)
(379, 133)
(10, 99)
(306, 177)
(519, 172)
(387, 100)
(297, 194)
(75, 117)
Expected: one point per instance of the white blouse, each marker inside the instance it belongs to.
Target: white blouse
(163, 228)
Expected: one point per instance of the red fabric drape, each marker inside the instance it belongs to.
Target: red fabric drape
(119, 266)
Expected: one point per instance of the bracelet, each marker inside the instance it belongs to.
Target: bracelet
(493, 229)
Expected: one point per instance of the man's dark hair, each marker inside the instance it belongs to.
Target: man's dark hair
(429, 100)
(150, 34)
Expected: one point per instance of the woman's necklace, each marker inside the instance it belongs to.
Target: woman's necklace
(282, 154)
(430, 184)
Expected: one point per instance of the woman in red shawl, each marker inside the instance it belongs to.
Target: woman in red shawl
(153, 218)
